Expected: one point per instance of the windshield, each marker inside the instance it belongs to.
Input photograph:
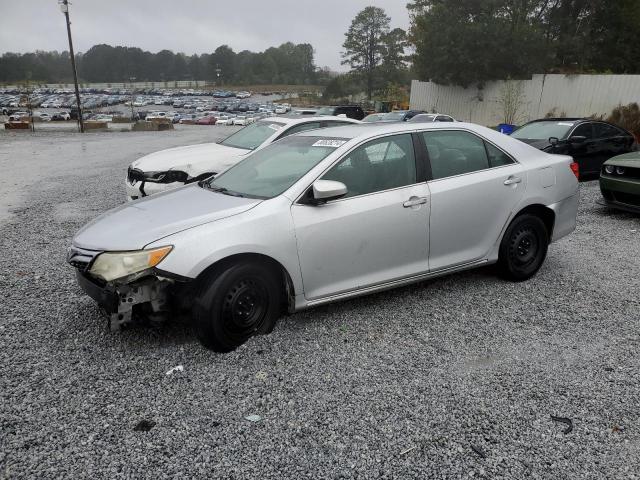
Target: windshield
(393, 116)
(543, 130)
(252, 136)
(272, 170)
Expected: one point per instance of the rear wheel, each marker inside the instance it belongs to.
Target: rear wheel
(523, 248)
(235, 303)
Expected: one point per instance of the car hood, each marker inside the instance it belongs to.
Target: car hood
(630, 160)
(192, 159)
(135, 224)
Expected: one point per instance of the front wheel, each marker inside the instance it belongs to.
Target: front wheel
(236, 303)
(523, 248)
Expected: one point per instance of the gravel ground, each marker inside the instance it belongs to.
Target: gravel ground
(451, 378)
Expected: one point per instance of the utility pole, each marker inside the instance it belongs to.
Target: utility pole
(64, 7)
(133, 119)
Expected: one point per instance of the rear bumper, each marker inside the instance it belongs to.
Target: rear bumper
(566, 213)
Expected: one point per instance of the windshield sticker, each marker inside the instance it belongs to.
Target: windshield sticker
(329, 143)
(275, 126)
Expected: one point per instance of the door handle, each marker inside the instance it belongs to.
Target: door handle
(414, 202)
(512, 180)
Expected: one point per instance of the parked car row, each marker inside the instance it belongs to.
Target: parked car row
(91, 100)
(19, 116)
(39, 100)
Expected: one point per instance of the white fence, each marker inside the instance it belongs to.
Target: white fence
(570, 95)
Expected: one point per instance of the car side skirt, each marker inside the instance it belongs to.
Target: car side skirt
(302, 303)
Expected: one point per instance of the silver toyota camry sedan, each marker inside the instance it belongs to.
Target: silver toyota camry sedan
(325, 215)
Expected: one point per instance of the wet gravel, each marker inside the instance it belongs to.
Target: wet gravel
(456, 377)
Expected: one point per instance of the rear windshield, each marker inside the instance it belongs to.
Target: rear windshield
(252, 136)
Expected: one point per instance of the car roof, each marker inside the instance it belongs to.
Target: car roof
(369, 130)
(560, 119)
(360, 130)
(293, 120)
(578, 121)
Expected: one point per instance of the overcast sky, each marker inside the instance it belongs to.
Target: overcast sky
(189, 26)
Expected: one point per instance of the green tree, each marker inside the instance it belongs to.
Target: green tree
(364, 44)
(224, 58)
(472, 41)
(195, 67)
(289, 62)
(595, 35)
(394, 68)
(341, 86)
(180, 68)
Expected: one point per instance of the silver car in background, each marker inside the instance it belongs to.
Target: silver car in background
(326, 215)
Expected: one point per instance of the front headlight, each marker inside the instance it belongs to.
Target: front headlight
(620, 170)
(609, 169)
(110, 266)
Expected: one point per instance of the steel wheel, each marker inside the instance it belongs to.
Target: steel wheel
(236, 302)
(523, 248)
(244, 308)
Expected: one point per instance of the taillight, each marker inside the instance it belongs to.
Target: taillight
(575, 168)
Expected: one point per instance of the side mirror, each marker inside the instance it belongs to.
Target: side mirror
(325, 190)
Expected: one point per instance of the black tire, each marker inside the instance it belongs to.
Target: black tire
(523, 248)
(235, 303)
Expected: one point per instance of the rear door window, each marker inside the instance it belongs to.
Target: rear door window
(454, 153)
(497, 157)
(584, 130)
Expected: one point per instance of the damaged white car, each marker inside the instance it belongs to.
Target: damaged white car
(174, 167)
(326, 215)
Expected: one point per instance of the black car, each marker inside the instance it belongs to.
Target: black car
(351, 111)
(589, 142)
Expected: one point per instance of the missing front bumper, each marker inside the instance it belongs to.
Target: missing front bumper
(119, 301)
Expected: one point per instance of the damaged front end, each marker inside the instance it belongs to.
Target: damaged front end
(138, 178)
(148, 293)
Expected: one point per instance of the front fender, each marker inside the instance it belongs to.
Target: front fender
(266, 230)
